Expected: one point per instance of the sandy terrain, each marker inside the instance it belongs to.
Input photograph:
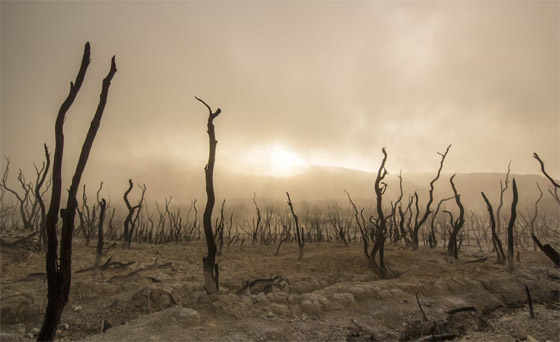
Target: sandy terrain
(330, 296)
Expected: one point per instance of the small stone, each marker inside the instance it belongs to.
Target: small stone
(78, 308)
(66, 326)
(21, 330)
(270, 314)
(35, 331)
(58, 332)
(303, 317)
(190, 315)
(28, 335)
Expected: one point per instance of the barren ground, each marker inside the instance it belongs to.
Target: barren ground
(330, 296)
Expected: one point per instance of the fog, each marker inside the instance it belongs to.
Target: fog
(300, 84)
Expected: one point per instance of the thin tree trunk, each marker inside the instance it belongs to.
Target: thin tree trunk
(209, 262)
(59, 278)
(99, 253)
(511, 224)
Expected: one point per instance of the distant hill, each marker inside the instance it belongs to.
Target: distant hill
(324, 183)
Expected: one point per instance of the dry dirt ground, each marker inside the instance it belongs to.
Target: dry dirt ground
(330, 296)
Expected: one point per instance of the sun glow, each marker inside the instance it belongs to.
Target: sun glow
(275, 160)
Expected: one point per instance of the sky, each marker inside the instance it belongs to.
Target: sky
(300, 84)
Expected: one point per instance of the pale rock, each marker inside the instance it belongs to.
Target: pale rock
(310, 307)
(189, 315)
(343, 300)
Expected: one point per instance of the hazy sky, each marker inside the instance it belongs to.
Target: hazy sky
(299, 83)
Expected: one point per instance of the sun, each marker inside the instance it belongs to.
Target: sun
(275, 160)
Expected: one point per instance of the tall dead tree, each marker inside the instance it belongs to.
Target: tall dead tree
(300, 235)
(511, 224)
(59, 275)
(455, 224)
(419, 223)
(211, 273)
(380, 223)
(495, 239)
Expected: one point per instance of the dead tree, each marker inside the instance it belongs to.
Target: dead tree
(503, 187)
(457, 224)
(432, 241)
(259, 218)
(361, 226)
(99, 251)
(41, 175)
(511, 224)
(210, 267)
(555, 185)
(59, 275)
(534, 218)
(131, 220)
(495, 239)
(380, 223)
(300, 235)
(418, 224)
(548, 250)
(22, 199)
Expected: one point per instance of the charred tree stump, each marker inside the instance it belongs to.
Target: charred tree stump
(209, 262)
(530, 302)
(59, 275)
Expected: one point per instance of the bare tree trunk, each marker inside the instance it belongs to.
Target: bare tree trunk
(300, 235)
(99, 252)
(38, 196)
(59, 277)
(495, 239)
(381, 224)
(510, 226)
(457, 224)
(418, 224)
(209, 262)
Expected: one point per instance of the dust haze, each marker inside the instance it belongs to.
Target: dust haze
(302, 86)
